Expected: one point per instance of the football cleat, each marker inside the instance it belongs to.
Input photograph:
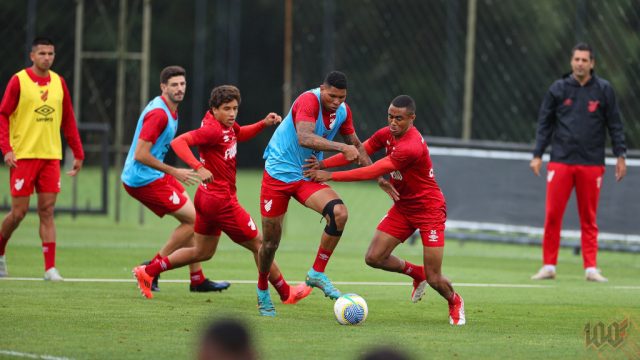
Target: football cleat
(144, 281)
(265, 306)
(595, 276)
(419, 289)
(208, 286)
(3, 266)
(456, 310)
(298, 293)
(154, 283)
(52, 275)
(544, 274)
(322, 282)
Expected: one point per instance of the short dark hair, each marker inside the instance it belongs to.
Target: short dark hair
(336, 79)
(41, 40)
(583, 46)
(404, 101)
(223, 94)
(229, 335)
(171, 71)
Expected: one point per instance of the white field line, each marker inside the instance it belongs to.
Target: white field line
(31, 356)
(370, 283)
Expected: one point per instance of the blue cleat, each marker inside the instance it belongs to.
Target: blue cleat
(265, 306)
(322, 282)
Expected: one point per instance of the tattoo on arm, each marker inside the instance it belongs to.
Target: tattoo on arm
(308, 138)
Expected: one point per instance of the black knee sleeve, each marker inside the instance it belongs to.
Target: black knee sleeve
(331, 228)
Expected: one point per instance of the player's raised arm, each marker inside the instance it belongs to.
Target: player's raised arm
(248, 132)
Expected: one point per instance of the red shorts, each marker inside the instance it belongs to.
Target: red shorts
(401, 226)
(162, 196)
(215, 215)
(43, 174)
(275, 194)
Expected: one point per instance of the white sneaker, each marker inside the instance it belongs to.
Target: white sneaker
(544, 274)
(419, 288)
(3, 267)
(52, 275)
(595, 276)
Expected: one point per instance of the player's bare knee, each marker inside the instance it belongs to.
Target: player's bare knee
(372, 260)
(45, 212)
(17, 215)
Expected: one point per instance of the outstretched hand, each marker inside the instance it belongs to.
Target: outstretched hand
(312, 163)
(272, 119)
(387, 187)
(186, 176)
(317, 175)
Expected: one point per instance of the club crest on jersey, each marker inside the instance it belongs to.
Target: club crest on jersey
(593, 105)
(332, 121)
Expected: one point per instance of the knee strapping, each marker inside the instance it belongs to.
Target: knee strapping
(332, 227)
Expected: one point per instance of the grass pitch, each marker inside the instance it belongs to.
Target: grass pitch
(110, 320)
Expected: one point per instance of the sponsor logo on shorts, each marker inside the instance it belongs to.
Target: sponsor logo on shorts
(174, 198)
(550, 175)
(433, 236)
(267, 205)
(19, 183)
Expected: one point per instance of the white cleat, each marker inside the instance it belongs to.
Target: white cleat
(544, 274)
(3, 266)
(52, 275)
(419, 289)
(595, 276)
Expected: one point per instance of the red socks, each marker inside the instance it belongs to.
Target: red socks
(321, 259)
(263, 281)
(415, 271)
(3, 245)
(281, 287)
(197, 278)
(157, 267)
(49, 251)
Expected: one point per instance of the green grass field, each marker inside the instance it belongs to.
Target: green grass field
(110, 320)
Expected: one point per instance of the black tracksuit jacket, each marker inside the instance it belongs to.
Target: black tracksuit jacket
(574, 120)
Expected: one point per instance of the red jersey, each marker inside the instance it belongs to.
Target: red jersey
(306, 108)
(217, 146)
(414, 179)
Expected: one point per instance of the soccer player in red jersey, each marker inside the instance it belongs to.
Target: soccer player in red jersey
(418, 202)
(35, 106)
(216, 202)
(155, 184)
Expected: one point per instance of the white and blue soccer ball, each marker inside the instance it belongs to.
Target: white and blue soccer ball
(350, 309)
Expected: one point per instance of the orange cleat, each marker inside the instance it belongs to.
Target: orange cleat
(298, 293)
(144, 281)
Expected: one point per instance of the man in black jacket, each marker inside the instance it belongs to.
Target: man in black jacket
(574, 117)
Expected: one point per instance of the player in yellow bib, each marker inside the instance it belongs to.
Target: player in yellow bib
(35, 107)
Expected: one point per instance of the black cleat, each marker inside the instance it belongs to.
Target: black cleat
(208, 285)
(154, 283)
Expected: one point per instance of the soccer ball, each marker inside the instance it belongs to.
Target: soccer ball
(350, 309)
